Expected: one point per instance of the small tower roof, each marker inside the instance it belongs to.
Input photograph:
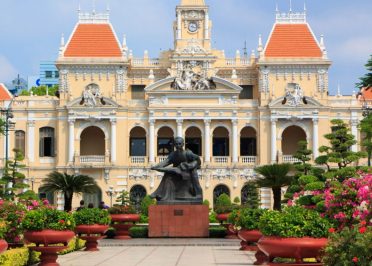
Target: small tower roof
(5, 95)
(192, 3)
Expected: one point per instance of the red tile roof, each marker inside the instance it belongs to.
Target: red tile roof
(5, 95)
(292, 40)
(367, 93)
(93, 40)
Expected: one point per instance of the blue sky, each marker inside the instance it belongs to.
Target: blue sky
(30, 30)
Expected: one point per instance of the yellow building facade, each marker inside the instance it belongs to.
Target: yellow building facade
(116, 115)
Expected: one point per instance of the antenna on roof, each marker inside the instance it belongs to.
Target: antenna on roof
(245, 49)
(94, 6)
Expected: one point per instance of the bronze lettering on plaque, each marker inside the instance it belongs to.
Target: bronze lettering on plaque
(178, 212)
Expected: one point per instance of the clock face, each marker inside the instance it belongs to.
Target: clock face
(193, 27)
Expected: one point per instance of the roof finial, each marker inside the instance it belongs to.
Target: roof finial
(276, 7)
(94, 7)
(108, 7)
(304, 6)
(290, 5)
(62, 40)
(338, 90)
(79, 8)
(124, 44)
(245, 49)
(259, 49)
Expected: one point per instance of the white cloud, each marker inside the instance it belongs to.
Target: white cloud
(355, 48)
(7, 70)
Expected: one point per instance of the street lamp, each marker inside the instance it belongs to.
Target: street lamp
(32, 179)
(9, 125)
(111, 193)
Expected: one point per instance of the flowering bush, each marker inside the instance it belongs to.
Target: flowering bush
(351, 202)
(350, 246)
(122, 209)
(294, 221)
(246, 218)
(3, 228)
(48, 218)
(12, 214)
(90, 216)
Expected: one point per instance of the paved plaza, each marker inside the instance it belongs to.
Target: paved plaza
(162, 252)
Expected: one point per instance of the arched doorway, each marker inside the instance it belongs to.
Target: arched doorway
(290, 138)
(248, 142)
(92, 141)
(94, 198)
(250, 196)
(218, 190)
(193, 140)
(136, 194)
(221, 142)
(137, 142)
(165, 141)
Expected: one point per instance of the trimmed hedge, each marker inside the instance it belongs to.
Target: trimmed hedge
(217, 232)
(16, 256)
(139, 231)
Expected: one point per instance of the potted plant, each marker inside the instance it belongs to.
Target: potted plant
(91, 225)
(123, 216)
(3, 229)
(12, 214)
(246, 222)
(295, 232)
(47, 227)
(223, 207)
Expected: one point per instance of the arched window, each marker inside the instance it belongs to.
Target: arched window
(137, 142)
(136, 195)
(20, 140)
(47, 142)
(165, 141)
(218, 190)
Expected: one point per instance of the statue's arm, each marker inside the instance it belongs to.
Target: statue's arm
(193, 160)
(162, 164)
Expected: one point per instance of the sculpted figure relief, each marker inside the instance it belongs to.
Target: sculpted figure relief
(180, 183)
(189, 80)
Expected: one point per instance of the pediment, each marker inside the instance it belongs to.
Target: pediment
(103, 102)
(220, 86)
(310, 102)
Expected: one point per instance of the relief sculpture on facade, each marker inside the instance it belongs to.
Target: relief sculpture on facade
(92, 96)
(189, 80)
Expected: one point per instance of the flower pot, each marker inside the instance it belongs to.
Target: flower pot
(91, 234)
(3, 245)
(48, 237)
(249, 239)
(230, 232)
(122, 223)
(296, 248)
(222, 217)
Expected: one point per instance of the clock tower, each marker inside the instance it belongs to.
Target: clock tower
(192, 28)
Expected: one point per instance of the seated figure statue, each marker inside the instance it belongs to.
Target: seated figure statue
(180, 183)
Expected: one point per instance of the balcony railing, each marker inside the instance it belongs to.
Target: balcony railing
(289, 159)
(141, 160)
(248, 159)
(161, 158)
(221, 159)
(92, 159)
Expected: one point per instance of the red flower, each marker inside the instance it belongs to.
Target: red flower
(362, 230)
(61, 221)
(363, 222)
(331, 230)
(355, 259)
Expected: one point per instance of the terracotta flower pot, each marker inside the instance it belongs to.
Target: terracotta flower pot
(91, 233)
(297, 248)
(3, 245)
(122, 223)
(230, 232)
(222, 217)
(48, 237)
(249, 239)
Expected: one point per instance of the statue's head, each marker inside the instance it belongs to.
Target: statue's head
(178, 143)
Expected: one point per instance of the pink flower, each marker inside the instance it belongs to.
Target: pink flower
(35, 203)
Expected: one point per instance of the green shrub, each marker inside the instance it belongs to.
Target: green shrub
(144, 219)
(306, 179)
(223, 204)
(294, 189)
(16, 256)
(351, 246)
(315, 186)
(110, 233)
(320, 206)
(246, 218)
(317, 198)
(139, 231)
(294, 221)
(145, 203)
(46, 218)
(236, 200)
(288, 195)
(206, 202)
(89, 216)
(217, 232)
(305, 200)
(212, 217)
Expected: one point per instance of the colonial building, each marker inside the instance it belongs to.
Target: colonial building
(117, 115)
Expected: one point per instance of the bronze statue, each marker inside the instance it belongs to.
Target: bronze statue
(180, 183)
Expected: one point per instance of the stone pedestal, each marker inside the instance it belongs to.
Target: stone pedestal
(178, 221)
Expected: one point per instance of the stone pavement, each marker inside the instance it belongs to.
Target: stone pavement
(162, 252)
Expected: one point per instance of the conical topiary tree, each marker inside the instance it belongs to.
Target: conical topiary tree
(274, 176)
(68, 184)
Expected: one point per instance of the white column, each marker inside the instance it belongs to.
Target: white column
(179, 25)
(179, 128)
(315, 138)
(273, 140)
(206, 28)
(71, 140)
(31, 140)
(207, 139)
(152, 141)
(234, 141)
(60, 201)
(354, 132)
(113, 140)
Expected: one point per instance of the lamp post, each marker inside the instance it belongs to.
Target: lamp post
(111, 193)
(32, 179)
(8, 113)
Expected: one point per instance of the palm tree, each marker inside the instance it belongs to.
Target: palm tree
(274, 176)
(68, 184)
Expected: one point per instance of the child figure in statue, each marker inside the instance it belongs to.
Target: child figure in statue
(180, 183)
